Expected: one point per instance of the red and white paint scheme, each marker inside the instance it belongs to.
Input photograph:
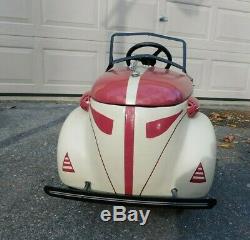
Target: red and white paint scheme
(137, 132)
(199, 175)
(67, 166)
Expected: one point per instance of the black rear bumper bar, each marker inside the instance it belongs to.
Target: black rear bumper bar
(82, 195)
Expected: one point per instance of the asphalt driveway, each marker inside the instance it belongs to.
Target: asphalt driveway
(28, 138)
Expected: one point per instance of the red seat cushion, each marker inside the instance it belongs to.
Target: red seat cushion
(157, 87)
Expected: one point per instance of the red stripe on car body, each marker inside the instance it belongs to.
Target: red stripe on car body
(129, 149)
(111, 87)
(104, 123)
(158, 127)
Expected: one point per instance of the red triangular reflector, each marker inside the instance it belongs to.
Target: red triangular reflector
(67, 166)
(199, 175)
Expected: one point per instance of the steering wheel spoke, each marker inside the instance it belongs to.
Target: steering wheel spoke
(157, 52)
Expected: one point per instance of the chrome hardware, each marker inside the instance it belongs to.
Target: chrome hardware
(163, 19)
(133, 67)
(174, 192)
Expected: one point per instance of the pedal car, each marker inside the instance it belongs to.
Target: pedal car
(138, 136)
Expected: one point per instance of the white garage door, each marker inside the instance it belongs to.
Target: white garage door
(61, 46)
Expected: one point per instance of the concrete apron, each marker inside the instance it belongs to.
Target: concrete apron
(241, 105)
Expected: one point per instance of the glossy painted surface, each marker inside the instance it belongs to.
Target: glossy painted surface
(111, 87)
(84, 102)
(76, 138)
(193, 106)
(183, 154)
(105, 124)
(111, 147)
(158, 127)
(129, 149)
(161, 87)
(153, 167)
(153, 87)
(138, 150)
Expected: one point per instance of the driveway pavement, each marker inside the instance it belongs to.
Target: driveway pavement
(28, 138)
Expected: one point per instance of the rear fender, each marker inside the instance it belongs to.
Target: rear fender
(199, 147)
(77, 141)
(192, 143)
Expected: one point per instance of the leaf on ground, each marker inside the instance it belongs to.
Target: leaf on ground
(12, 107)
(229, 138)
(248, 141)
(232, 125)
(227, 115)
(226, 145)
(214, 116)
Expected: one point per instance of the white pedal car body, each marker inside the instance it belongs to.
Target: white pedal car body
(138, 137)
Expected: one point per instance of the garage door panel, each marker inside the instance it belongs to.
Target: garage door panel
(61, 46)
(74, 13)
(222, 94)
(16, 65)
(196, 64)
(69, 67)
(16, 17)
(233, 25)
(127, 15)
(188, 20)
(76, 19)
(15, 11)
(229, 75)
(196, 68)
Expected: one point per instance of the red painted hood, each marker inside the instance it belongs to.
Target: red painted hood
(157, 87)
